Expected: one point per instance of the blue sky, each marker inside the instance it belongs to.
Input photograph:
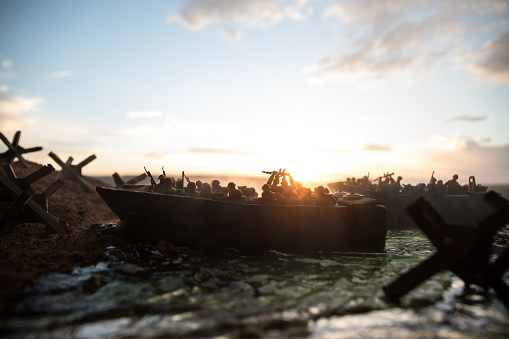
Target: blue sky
(326, 89)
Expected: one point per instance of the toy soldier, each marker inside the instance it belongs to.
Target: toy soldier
(206, 191)
(322, 198)
(440, 188)
(216, 186)
(268, 197)
(165, 186)
(432, 183)
(284, 182)
(396, 187)
(234, 194)
(452, 185)
(191, 189)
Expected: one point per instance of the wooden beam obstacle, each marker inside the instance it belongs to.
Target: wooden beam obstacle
(119, 183)
(24, 199)
(464, 250)
(15, 150)
(73, 172)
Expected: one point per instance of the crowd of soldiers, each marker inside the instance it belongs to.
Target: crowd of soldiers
(213, 190)
(293, 193)
(386, 183)
(280, 189)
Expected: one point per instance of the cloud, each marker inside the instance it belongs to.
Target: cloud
(217, 151)
(62, 74)
(452, 143)
(411, 38)
(338, 150)
(467, 157)
(230, 35)
(7, 64)
(19, 113)
(468, 118)
(373, 147)
(6, 69)
(294, 10)
(13, 110)
(483, 7)
(360, 148)
(370, 11)
(144, 114)
(4, 88)
(495, 59)
(392, 38)
(212, 151)
(197, 14)
(159, 155)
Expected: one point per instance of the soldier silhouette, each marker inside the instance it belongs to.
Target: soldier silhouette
(234, 194)
(452, 186)
(268, 197)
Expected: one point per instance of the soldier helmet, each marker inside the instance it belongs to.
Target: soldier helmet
(265, 187)
(215, 182)
(455, 176)
(231, 184)
(191, 185)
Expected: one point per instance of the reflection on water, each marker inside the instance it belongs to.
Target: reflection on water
(150, 293)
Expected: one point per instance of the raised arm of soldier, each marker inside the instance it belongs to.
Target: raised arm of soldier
(271, 178)
(284, 182)
(292, 182)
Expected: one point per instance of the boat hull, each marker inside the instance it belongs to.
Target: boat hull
(467, 209)
(188, 221)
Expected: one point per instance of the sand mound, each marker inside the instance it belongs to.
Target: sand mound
(30, 250)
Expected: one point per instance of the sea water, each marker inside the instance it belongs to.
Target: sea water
(146, 292)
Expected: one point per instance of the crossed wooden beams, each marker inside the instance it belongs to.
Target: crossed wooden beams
(19, 192)
(463, 250)
(119, 183)
(73, 172)
(15, 150)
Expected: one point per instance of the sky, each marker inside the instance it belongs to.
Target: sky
(325, 89)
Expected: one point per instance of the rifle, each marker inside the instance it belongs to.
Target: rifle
(164, 173)
(431, 179)
(152, 181)
(281, 173)
(386, 175)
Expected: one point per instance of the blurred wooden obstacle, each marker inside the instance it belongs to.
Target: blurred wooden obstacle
(119, 183)
(465, 251)
(15, 150)
(73, 172)
(24, 199)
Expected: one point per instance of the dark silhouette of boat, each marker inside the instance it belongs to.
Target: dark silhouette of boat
(358, 225)
(465, 207)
